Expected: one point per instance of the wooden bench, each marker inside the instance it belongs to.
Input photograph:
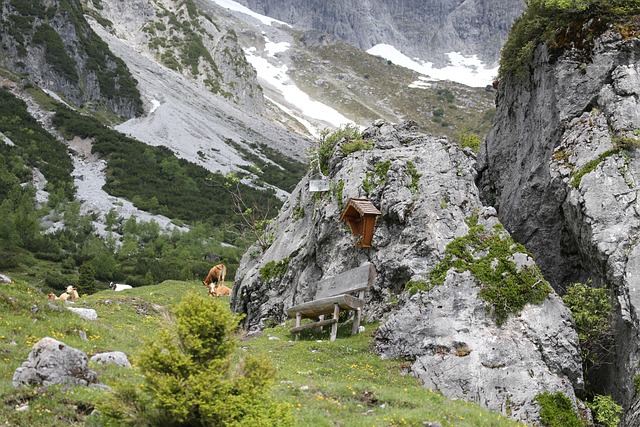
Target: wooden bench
(332, 296)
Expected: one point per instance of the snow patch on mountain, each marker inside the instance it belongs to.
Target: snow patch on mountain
(237, 7)
(273, 74)
(469, 71)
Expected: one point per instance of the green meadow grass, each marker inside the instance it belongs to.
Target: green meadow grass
(340, 383)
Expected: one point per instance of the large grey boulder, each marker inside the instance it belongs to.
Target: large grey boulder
(53, 362)
(457, 349)
(424, 186)
(561, 168)
(417, 222)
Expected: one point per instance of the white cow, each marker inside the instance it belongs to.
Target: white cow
(119, 287)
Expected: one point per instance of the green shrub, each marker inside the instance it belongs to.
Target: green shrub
(357, 145)
(412, 172)
(556, 410)
(591, 165)
(561, 24)
(190, 380)
(415, 286)
(87, 279)
(377, 177)
(328, 141)
(591, 309)
(274, 270)
(469, 140)
(606, 411)
(486, 255)
(338, 191)
(446, 95)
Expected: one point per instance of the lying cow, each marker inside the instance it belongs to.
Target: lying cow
(215, 279)
(71, 294)
(219, 290)
(119, 287)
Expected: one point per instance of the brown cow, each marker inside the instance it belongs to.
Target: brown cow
(216, 275)
(219, 290)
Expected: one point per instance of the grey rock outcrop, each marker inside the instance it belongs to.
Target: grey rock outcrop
(457, 349)
(561, 168)
(424, 29)
(87, 313)
(53, 362)
(424, 187)
(113, 357)
(5, 279)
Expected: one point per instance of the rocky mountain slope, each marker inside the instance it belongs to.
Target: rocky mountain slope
(191, 67)
(424, 29)
(561, 168)
(459, 341)
(51, 42)
(209, 88)
(318, 80)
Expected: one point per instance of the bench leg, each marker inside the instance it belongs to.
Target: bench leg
(356, 321)
(334, 327)
(321, 318)
(298, 320)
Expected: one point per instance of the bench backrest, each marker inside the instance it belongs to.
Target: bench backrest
(354, 280)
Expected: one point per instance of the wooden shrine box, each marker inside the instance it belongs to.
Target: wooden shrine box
(361, 216)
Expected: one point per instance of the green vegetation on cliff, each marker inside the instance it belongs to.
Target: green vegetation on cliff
(563, 24)
(32, 147)
(488, 255)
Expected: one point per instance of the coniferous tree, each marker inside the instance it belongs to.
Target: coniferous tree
(87, 281)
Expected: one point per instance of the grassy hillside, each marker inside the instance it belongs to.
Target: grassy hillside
(325, 384)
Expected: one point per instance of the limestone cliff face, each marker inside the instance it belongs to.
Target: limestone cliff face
(426, 29)
(51, 42)
(191, 40)
(424, 187)
(561, 168)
